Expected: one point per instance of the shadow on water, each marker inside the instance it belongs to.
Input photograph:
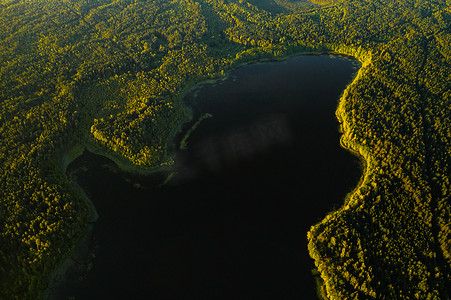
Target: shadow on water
(232, 223)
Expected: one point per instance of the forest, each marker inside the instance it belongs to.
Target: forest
(110, 76)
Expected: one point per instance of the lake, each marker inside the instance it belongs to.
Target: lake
(232, 223)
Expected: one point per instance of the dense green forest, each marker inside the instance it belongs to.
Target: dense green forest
(110, 74)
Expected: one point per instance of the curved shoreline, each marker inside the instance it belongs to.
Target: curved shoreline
(348, 145)
(365, 165)
(70, 155)
(58, 276)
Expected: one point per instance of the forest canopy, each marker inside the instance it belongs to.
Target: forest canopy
(109, 75)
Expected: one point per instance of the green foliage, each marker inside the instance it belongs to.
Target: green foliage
(184, 141)
(110, 75)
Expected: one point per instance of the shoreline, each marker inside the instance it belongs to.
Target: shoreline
(365, 165)
(60, 273)
(125, 165)
(348, 145)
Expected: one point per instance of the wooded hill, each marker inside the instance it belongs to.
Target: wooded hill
(110, 75)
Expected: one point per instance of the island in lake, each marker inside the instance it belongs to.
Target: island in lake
(119, 82)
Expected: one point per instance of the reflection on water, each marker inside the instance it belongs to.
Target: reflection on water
(218, 151)
(230, 222)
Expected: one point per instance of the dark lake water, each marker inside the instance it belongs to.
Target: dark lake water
(232, 223)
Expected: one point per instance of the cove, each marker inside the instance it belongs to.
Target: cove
(231, 222)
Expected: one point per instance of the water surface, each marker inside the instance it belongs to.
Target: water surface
(232, 223)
